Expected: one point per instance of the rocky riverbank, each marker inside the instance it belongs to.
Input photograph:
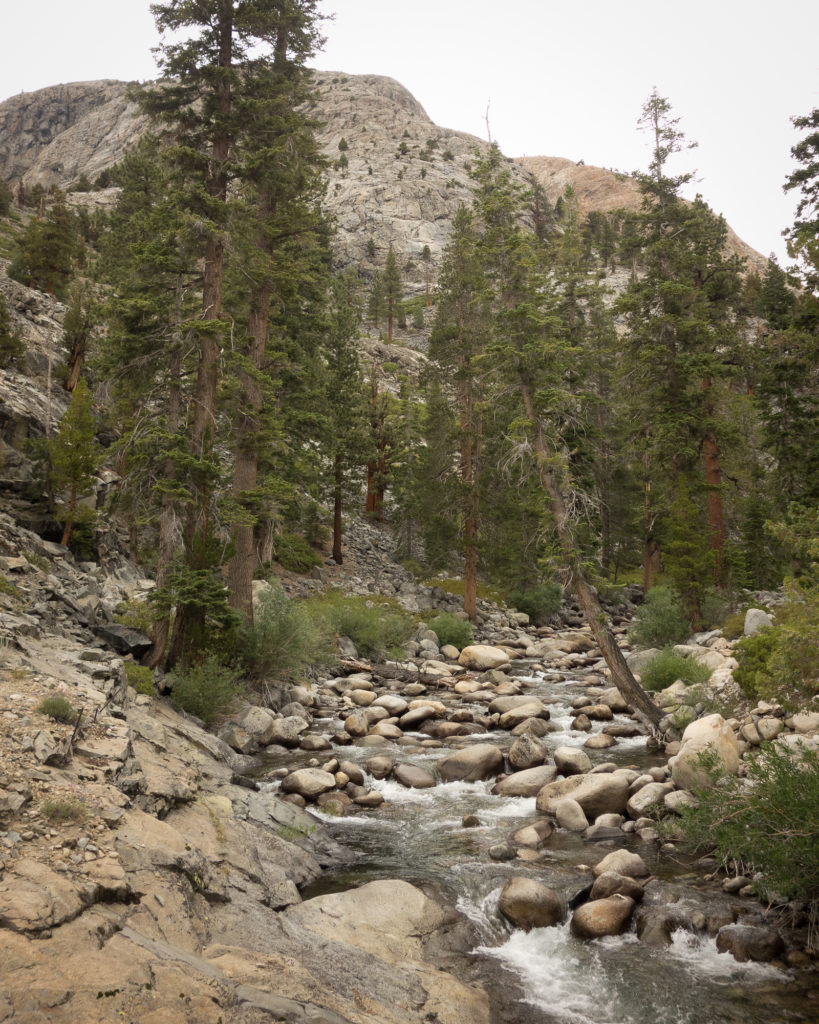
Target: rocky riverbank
(144, 876)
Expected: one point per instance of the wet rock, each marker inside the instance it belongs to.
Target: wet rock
(412, 776)
(597, 918)
(287, 731)
(601, 741)
(582, 723)
(656, 925)
(527, 752)
(357, 724)
(472, 764)
(623, 862)
(517, 715)
(610, 883)
(530, 904)
(746, 942)
(597, 794)
(308, 782)
(648, 798)
(525, 783)
(570, 815)
(534, 835)
(572, 761)
(379, 766)
(502, 851)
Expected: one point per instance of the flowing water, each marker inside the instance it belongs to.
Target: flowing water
(418, 835)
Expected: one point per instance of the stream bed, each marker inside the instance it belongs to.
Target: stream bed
(418, 835)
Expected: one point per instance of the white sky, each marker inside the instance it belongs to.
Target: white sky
(561, 79)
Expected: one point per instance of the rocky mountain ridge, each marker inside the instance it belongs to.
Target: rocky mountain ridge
(400, 182)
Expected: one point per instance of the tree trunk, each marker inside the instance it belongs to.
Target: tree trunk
(713, 481)
(239, 570)
(642, 705)
(167, 517)
(469, 442)
(69, 521)
(190, 619)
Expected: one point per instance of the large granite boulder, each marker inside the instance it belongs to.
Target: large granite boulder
(530, 904)
(472, 764)
(711, 734)
(603, 793)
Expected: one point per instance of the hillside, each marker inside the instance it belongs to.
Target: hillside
(404, 179)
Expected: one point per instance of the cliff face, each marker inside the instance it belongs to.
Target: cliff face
(397, 178)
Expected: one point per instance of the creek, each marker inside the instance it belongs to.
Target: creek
(418, 835)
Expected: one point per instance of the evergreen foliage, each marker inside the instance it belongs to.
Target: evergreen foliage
(12, 348)
(208, 689)
(766, 823)
(661, 619)
(73, 458)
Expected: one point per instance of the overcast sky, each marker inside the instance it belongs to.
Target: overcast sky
(560, 79)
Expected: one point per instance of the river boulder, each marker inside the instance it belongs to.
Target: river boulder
(746, 942)
(530, 904)
(527, 752)
(624, 862)
(480, 657)
(529, 782)
(597, 918)
(712, 734)
(308, 782)
(472, 764)
(413, 777)
(572, 761)
(604, 793)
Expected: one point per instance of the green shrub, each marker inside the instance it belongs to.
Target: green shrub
(661, 620)
(753, 653)
(64, 808)
(136, 615)
(294, 553)
(207, 690)
(667, 667)
(140, 677)
(58, 708)
(734, 626)
(540, 603)
(767, 824)
(12, 348)
(452, 630)
(375, 629)
(284, 638)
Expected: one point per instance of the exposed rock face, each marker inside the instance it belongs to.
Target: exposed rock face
(54, 135)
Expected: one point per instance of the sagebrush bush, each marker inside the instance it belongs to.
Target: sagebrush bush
(207, 690)
(667, 667)
(450, 629)
(64, 808)
(376, 629)
(293, 552)
(661, 620)
(284, 638)
(539, 603)
(58, 708)
(767, 823)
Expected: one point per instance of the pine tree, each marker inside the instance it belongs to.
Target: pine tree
(48, 250)
(457, 342)
(281, 227)
(392, 289)
(73, 457)
(345, 401)
(681, 328)
(530, 354)
(12, 349)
